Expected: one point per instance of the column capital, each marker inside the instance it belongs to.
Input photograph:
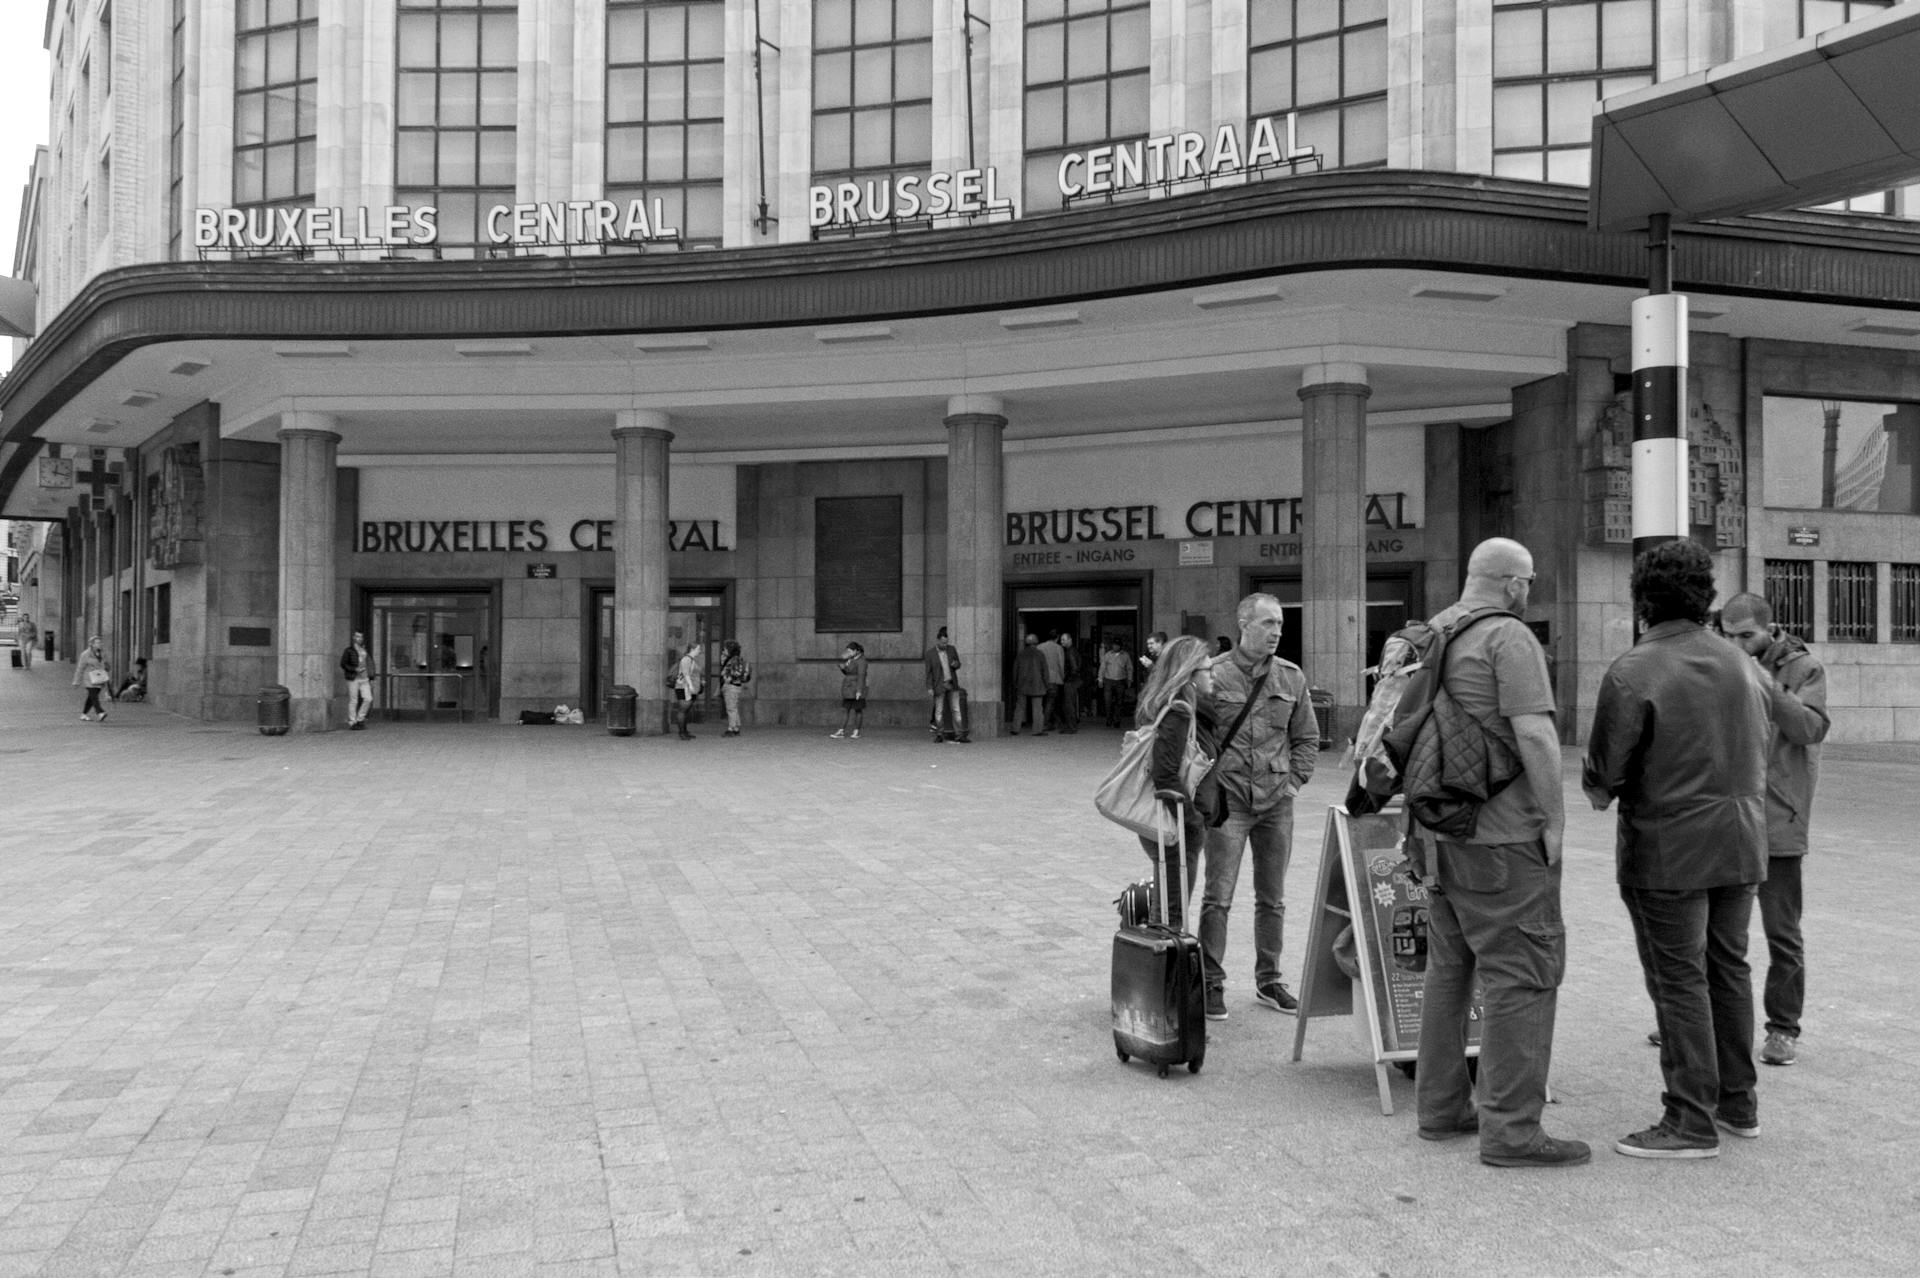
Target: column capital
(298, 422)
(976, 406)
(288, 434)
(643, 423)
(1331, 374)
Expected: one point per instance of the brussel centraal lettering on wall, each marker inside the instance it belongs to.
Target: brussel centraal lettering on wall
(1233, 517)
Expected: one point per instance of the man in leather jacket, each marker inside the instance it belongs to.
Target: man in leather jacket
(1691, 845)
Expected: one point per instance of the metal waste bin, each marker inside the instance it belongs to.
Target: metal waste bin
(622, 710)
(276, 707)
(1323, 713)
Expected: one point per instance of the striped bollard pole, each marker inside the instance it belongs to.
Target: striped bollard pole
(1659, 418)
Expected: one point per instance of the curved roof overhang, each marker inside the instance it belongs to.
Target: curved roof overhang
(1323, 222)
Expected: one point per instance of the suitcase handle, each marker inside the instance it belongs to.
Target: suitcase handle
(1160, 861)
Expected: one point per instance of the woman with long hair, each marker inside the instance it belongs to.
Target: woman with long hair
(688, 676)
(735, 674)
(1179, 696)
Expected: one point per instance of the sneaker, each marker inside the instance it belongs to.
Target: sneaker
(1778, 1050)
(1464, 1127)
(838, 734)
(1277, 996)
(1658, 1142)
(1545, 1152)
(855, 736)
(1746, 1129)
(1216, 1004)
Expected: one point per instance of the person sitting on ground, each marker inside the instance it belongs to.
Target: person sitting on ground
(134, 687)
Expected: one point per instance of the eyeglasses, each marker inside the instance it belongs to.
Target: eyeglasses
(1517, 576)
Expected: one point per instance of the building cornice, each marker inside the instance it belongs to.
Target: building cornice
(1329, 221)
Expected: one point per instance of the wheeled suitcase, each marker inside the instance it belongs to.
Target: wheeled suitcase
(1159, 991)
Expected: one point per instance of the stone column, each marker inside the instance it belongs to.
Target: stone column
(1333, 547)
(309, 646)
(641, 443)
(976, 503)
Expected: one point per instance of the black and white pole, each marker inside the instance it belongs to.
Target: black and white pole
(1660, 496)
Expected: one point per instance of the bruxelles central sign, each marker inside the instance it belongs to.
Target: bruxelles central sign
(401, 225)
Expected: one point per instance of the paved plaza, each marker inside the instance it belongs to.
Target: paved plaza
(491, 1000)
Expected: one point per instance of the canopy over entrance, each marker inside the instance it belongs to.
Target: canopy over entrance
(1829, 116)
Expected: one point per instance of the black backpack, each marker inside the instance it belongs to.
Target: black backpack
(1447, 761)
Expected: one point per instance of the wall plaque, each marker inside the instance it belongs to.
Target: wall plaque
(857, 564)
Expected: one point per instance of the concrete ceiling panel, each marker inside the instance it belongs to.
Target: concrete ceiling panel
(1700, 155)
(1809, 123)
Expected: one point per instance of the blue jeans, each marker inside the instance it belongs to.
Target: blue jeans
(1271, 834)
(1786, 989)
(1496, 917)
(1693, 951)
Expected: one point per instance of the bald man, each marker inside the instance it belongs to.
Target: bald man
(1495, 903)
(1798, 685)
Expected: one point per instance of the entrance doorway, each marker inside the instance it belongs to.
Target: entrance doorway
(700, 613)
(1394, 596)
(432, 654)
(1094, 611)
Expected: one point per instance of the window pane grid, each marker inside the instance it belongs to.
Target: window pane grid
(1326, 59)
(1906, 603)
(1086, 85)
(276, 73)
(665, 135)
(1789, 592)
(1850, 602)
(872, 90)
(1552, 60)
(455, 99)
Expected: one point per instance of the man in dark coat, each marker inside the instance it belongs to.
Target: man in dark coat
(1680, 736)
(1798, 684)
(1030, 688)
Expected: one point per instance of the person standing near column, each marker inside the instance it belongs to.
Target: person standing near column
(1262, 766)
(1797, 683)
(1692, 842)
(1070, 680)
(735, 674)
(688, 678)
(29, 635)
(1494, 903)
(853, 690)
(359, 675)
(942, 662)
(1029, 689)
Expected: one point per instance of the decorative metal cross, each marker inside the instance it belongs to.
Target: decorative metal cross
(99, 477)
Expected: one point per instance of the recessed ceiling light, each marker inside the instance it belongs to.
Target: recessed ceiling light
(484, 349)
(659, 342)
(1237, 295)
(314, 350)
(1040, 319)
(855, 333)
(188, 367)
(1459, 294)
(101, 427)
(1885, 330)
(1704, 313)
(139, 398)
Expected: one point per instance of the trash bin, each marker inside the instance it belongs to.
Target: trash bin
(1323, 713)
(622, 709)
(49, 645)
(276, 707)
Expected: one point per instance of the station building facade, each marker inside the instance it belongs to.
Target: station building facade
(538, 340)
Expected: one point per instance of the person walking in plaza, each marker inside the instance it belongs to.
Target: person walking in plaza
(1797, 685)
(1494, 903)
(1182, 685)
(1056, 663)
(90, 671)
(28, 635)
(1155, 642)
(358, 671)
(689, 676)
(942, 663)
(1030, 688)
(1068, 693)
(1262, 766)
(1116, 672)
(1691, 846)
(735, 674)
(853, 690)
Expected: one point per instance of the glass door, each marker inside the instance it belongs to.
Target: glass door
(692, 617)
(432, 655)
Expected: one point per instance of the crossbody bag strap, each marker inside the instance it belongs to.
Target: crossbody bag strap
(1253, 696)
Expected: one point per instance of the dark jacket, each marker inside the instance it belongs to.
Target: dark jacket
(937, 681)
(1030, 672)
(1275, 751)
(1680, 734)
(1170, 743)
(1800, 723)
(351, 665)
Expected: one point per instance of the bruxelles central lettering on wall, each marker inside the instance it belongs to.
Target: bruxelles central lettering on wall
(513, 536)
(1261, 517)
(568, 222)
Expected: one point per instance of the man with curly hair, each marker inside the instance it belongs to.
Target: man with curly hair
(1680, 736)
